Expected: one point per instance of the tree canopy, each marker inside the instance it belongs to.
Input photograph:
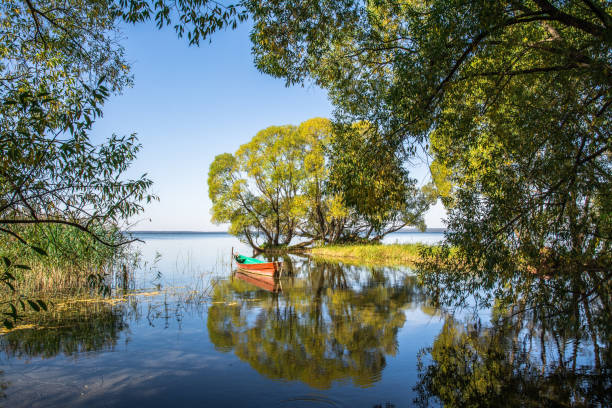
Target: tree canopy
(278, 187)
(257, 190)
(511, 98)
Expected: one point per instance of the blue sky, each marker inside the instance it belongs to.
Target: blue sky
(189, 104)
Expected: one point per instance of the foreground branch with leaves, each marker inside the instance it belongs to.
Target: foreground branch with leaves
(60, 62)
(511, 98)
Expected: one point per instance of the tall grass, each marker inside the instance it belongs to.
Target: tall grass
(74, 261)
(372, 254)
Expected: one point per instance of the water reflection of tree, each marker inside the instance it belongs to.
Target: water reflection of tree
(3, 385)
(548, 343)
(330, 323)
(70, 330)
(92, 325)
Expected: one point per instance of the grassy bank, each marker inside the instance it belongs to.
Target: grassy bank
(371, 254)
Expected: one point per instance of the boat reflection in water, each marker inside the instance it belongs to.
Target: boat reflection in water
(264, 282)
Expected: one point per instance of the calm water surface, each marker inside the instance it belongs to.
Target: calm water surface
(191, 332)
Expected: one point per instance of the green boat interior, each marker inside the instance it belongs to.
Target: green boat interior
(246, 260)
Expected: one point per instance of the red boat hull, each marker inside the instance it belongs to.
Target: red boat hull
(267, 268)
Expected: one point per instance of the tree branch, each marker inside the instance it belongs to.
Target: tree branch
(599, 12)
(570, 20)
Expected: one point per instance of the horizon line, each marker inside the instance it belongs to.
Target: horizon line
(413, 230)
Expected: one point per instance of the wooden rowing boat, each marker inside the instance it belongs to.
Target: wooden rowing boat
(257, 266)
(268, 283)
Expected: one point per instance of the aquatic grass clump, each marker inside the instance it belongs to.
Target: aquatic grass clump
(373, 254)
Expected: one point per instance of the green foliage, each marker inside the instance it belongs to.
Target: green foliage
(278, 187)
(43, 175)
(60, 62)
(199, 19)
(510, 97)
(512, 100)
(65, 257)
(257, 190)
(372, 254)
(60, 45)
(374, 182)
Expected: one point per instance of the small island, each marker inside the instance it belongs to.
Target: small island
(286, 191)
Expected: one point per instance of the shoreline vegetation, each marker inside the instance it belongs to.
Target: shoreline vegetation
(372, 254)
(66, 261)
(60, 262)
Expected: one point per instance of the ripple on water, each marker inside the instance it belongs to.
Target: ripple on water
(309, 400)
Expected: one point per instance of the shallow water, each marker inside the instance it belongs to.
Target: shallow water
(192, 332)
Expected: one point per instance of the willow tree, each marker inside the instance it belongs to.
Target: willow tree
(258, 189)
(374, 183)
(275, 188)
(345, 205)
(510, 97)
(326, 217)
(279, 186)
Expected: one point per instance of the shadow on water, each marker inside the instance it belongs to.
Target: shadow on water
(79, 327)
(506, 366)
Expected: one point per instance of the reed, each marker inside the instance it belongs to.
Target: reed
(71, 261)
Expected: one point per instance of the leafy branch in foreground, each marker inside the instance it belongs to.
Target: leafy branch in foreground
(50, 174)
(60, 62)
(199, 19)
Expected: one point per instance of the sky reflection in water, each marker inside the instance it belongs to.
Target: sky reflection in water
(328, 335)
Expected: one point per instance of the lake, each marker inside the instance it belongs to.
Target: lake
(189, 331)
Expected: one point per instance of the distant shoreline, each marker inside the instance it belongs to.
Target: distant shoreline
(406, 231)
(178, 232)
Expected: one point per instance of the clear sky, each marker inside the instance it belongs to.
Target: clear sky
(189, 104)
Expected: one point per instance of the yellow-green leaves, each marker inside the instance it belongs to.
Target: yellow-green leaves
(265, 189)
(277, 187)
